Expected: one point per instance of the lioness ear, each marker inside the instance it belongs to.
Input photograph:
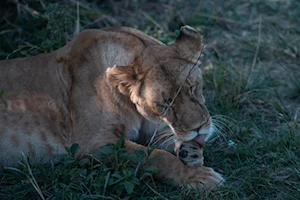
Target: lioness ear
(188, 43)
(122, 77)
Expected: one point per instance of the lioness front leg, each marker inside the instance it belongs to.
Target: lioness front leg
(173, 169)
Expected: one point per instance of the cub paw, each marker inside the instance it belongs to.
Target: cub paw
(191, 154)
(204, 178)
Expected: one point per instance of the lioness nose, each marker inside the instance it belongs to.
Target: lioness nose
(197, 129)
(205, 124)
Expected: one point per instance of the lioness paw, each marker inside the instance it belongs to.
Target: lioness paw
(203, 178)
(191, 154)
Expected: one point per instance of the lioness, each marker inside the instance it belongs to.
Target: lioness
(102, 85)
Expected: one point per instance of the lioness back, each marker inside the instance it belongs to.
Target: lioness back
(33, 115)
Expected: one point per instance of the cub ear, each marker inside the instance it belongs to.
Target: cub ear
(122, 77)
(188, 43)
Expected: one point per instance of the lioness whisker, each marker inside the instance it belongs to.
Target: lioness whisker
(166, 141)
(163, 135)
(218, 130)
(224, 124)
(224, 118)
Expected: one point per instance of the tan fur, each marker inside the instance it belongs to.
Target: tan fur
(104, 84)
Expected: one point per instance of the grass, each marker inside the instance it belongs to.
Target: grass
(252, 88)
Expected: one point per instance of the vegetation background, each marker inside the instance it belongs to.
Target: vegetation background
(252, 87)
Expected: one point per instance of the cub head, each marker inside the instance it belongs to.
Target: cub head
(165, 82)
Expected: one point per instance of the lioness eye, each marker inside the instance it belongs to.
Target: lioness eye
(167, 106)
(165, 103)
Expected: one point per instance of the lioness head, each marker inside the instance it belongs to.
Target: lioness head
(164, 82)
